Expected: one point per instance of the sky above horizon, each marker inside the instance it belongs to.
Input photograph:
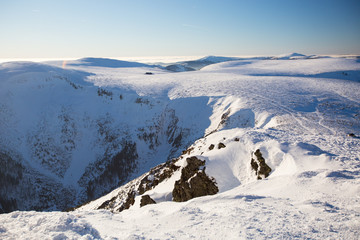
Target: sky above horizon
(119, 28)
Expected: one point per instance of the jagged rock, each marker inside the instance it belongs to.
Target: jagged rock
(145, 200)
(129, 202)
(106, 204)
(261, 169)
(193, 182)
(211, 147)
(221, 145)
(157, 175)
(123, 200)
(224, 117)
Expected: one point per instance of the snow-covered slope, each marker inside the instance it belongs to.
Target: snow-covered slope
(197, 64)
(65, 141)
(301, 116)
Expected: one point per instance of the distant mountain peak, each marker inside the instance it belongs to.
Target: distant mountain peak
(217, 59)
(293, 55)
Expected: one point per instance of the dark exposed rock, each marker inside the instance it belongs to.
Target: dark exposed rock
(237, 139)
(188, 151)
(192, 167)
(254, 165)
(145, 200)
(106, 203)
(193, 182)
(221, 145)
(225, 116)
(157, 175)
(130, 200)
(351, 135)
(261, 169)
(125, 197)
(211, 147)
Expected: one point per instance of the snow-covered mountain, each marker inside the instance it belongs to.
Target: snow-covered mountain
(65, 141)
(248, 148)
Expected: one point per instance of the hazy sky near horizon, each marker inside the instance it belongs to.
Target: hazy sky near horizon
(116, 28)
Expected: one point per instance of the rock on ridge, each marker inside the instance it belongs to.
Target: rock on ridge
(193, 182)
(261, 169)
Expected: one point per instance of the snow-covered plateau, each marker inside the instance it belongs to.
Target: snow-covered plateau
(215, 148)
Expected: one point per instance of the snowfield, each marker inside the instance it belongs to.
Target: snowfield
(301, 112)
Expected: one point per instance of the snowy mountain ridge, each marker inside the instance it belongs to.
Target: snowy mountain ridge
(273, 143)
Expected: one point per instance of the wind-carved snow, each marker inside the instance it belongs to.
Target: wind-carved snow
(297, 110)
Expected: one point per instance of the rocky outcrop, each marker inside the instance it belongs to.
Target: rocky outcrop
(127, 193)
(123, 200)
(130, 200)
(262, 170)
(157, 175)
(221, 145)
(193, 182)
(145, 200)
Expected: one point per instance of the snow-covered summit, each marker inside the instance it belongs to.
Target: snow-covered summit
(294, 56)
(218, 59)
(291, 56)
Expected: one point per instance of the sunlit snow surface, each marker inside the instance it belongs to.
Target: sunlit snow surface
(298, 112)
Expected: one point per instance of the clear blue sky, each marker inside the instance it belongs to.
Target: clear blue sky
(116, 28)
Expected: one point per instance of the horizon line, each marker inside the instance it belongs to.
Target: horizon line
(158, 58)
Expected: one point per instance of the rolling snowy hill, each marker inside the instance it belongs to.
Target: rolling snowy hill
(273, 143)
